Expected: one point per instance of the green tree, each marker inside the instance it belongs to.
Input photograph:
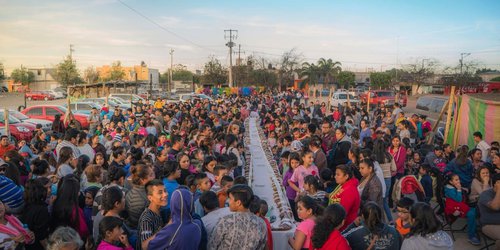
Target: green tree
(180, 73)
(264, 77)
(67, 73)
(116, 73)
(329, 69)
(380, 79)
(347, 79)
(22, 75)
(214, 72)
(496, 79)
(2, 72)
(311, 71)
(486, 70)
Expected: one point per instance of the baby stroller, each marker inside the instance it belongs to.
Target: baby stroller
(408, 186)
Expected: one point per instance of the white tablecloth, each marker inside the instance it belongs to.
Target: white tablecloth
(261, 183)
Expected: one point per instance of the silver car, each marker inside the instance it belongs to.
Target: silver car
(46, 125)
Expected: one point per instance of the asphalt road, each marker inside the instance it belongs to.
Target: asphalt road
(14, 100)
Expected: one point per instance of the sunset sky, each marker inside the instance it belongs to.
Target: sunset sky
(359, 34)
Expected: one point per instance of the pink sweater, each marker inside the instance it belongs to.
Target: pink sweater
(107, 246)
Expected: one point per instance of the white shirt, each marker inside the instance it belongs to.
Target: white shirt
(484, 147)
(8, 245)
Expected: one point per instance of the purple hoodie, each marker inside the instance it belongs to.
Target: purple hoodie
(184, 232)
(290, 193)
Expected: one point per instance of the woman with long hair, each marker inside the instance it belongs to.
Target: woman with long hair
(370, 231)
(66, 210)
(370, 188)
(480, 183)
(346, 193)
(136, 199)
(462, 167)
(326, 234)
(386, 162)
(426, 232)
(67, 163)
(36, 213)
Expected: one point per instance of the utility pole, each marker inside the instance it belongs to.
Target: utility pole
(71, 50)
(230, 44)
(462, 55)
(171, 71)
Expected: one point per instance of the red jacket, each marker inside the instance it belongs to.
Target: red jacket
(347, 195)
(269, 234)
(335, 241)
(4, 150)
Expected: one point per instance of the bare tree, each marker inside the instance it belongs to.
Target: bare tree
(90, 75)
(288, 66)
(421, 71)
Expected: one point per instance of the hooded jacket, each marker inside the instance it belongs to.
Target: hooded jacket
(184, 232)
(339, 153)
(436, 241)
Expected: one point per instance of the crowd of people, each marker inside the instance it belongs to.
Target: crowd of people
(169, 176)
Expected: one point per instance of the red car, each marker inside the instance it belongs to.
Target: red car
(386, 97)
(39, 95)
(48, 112)
(18, 129)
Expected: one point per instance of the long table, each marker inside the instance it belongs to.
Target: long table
(262, 178)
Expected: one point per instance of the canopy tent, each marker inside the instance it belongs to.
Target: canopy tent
(478, 112)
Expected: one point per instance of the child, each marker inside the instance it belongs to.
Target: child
(426, 181)
(326, 176)
(197, 160)
(307, 210)
(403, 223)
(112, 235)
(283, 166)
(259, 207)
(311, 188)
(219, 172)
(90, 194)
(455, 206)
(272, 139)
(171, 172)
(294, 162)
(307, 168)
(202, 184)
(326, 234)
(226, 183)
(414, 163)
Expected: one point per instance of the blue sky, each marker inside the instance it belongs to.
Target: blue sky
(360, 34)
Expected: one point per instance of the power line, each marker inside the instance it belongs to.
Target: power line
(161, 27)
(231, 44)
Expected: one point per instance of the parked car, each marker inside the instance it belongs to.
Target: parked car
(47, 112)
(386, 97)
(46, 125)
(340, 98)
(128, 98)
(102, 102)
(18, 129)
(431, 103)
(83, 107)
(56, 94)
(192, 96)
(120, 102)
(39, 95)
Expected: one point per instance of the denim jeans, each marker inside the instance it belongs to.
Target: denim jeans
(386, 199)
(471, 223)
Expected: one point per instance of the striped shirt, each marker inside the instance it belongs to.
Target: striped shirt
(10, 194)
(149, 224)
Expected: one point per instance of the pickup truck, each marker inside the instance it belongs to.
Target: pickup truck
(386, 97)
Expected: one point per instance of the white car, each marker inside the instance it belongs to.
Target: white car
(192, 96)
(340, 99)
(56, 94)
